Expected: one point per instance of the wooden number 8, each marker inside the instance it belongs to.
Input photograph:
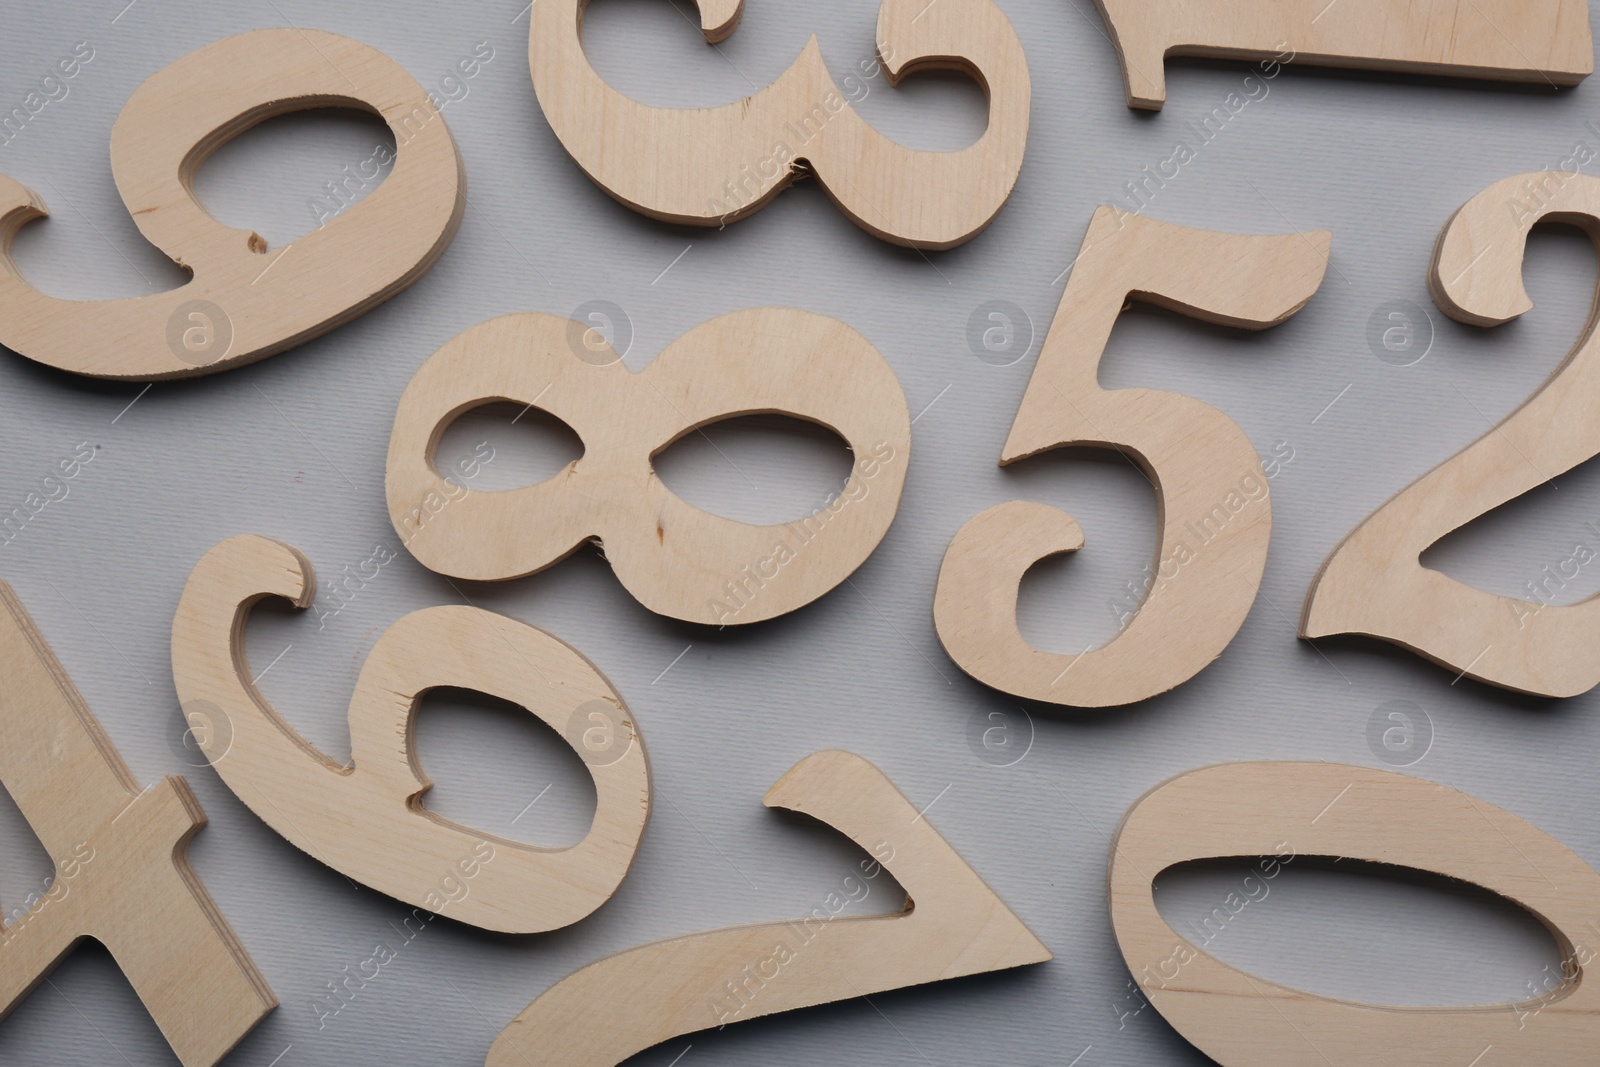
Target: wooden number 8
(241, 303)
(1215, 509)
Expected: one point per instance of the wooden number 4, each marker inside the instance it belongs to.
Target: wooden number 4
(122, 870)
(1215, 509)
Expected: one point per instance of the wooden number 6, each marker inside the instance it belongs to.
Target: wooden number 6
(242, 304)
(1329, 811)
(710, 166)
(953, 925)
(1215, 509)
(1373, 584)
(366, 819)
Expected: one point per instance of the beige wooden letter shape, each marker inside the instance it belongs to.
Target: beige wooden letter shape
(676, 559)
(953, 925)
(1339, 812)
(241, 303)
(122, 869)
(1373, 584)
(1210, 486)
(366, 819)
(711, 166)
(1541, 42)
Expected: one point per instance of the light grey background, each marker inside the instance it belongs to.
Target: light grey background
(293, 448)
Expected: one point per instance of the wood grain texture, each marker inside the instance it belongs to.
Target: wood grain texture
(1540, 42)
(676, 559)
(366, 818)
(953, 925)
(711, 166)
(1373, 584)
(1351, 813)
(244, 302)
(122, 871)
(1214, 506)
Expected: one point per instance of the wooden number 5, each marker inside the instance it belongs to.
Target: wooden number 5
(1215, 509)
(1373, 584)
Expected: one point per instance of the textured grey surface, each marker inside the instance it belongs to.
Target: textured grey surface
(293, 448)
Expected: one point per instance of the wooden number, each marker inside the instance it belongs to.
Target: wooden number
(953, 925)
(711, 166)
(676, 559)
(241, 303)
(1292, 810)
(1215, 508)
(122, 871)
(1541, 42)
(1373, 584)
(366, 819)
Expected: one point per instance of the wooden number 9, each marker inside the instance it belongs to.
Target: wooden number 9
(1215, 509)
(710, 166)
(241, 303)
(1373, 584)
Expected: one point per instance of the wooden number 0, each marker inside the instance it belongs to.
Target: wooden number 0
(1373, 584)
(242, 304)
(953, 925)
(676, 559)
(122, 869)
(1215, 508)
(366, 819)
(710, 166)
(1337, 812)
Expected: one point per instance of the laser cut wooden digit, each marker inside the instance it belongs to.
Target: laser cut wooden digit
(711, 166)
(1339, 812)
(1541, 42)
(122, 867)
(677, 560)
(243, 302)
(1216, 511)
(953, 925)
(1373, 584)
(366, 819)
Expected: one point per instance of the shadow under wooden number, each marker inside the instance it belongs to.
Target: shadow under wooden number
(676, 559)
(1215, 508)
(366, 819)
(953, 925)
(1541, 42)
(1373, 583)
(1340, 812)
(712, 166)
(243, 302)
(122, 869)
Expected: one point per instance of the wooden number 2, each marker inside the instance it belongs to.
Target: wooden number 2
(953, 925)
(122, 870)
(676, 559)
(710, 166)
(243, 303)
(1215, 508)
(366, 819)
(1542, 42)
(1373, 584)
(1292, 810)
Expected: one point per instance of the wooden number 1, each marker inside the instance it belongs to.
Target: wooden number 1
(1215, 509)
(244, 302)
(953, 925)
(1289, 811)
(711, 166)
(121, 854)
(1373, 584)
(1541, 42)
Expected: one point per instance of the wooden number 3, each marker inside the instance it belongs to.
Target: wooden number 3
(710, 166)
(243, 303)
(1215, 509)
(676, 559)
